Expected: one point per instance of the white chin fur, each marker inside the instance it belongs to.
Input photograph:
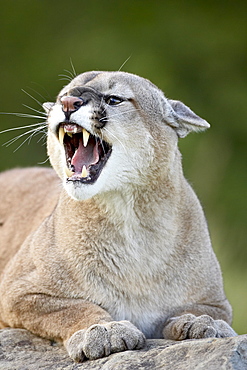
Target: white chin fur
(80, 191)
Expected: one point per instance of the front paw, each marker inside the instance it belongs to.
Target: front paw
(189, 326)
(102, 339)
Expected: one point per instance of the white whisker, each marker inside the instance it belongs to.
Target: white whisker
(34, 129)
(73, 68)
(42, 96)
(124, 63)
(101, 140)
(44, 142)
(116, 139)
(32, 132)
(22, 144)
(43, 124)
(69, 73)
(28, 139)
(65, 78)
(32, 97)
(35, 110)
(118, 114)
(25, 115)
(46, 160)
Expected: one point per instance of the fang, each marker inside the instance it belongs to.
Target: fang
(68, 172)
(84, 172)
(85, 135)
(61, 135)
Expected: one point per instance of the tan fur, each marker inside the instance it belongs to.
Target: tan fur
(97, 265)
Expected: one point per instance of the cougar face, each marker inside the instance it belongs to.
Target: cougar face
(98, 138)
(109, 129)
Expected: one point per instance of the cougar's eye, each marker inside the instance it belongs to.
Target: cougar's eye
(113, 100)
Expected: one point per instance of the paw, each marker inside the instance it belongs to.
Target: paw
(189, 326)
(102, 339)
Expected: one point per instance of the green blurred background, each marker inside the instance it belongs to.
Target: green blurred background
(195, 51)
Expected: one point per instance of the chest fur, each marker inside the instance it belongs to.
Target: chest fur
(126, 273)
(120, 261)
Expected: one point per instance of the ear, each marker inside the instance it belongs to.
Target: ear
(184, 120)
(47, 106)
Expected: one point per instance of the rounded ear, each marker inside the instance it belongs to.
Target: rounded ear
(184, 120)
(47, 106)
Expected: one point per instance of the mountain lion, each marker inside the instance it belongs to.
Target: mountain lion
(112, 247)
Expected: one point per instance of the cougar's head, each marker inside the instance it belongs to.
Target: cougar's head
(107, 129)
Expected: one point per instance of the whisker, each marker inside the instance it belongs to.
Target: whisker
(27, 139)
(11, 141)
(73, 68)
(70, 75)
(44, 98)
(34, 129)
(101, 141)
(42, 138)
(65, 78)
(32, 97)
(35, 110)
(69, 72)
(124, 63)
(30, 137)
(116, 139)
(47, 159)
(118, 114)
(26, 115)
(43, 124)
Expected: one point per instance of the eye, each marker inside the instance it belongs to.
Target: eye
(113, 100)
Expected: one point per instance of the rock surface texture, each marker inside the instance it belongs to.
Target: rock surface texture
(20, 350)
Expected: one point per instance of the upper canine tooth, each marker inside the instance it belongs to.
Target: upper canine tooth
(85, 136)
(61, 135)
(84, 171)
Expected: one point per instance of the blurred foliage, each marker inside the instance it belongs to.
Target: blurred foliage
(195, 51)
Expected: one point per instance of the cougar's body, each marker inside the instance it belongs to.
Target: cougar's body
(112, 245)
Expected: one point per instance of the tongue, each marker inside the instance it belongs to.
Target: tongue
(87, 156)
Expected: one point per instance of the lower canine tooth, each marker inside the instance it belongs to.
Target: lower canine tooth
(61, 135)
(84, 171)
(68, 172)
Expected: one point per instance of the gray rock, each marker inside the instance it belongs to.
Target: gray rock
(21, 350)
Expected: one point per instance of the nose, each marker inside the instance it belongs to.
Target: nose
(71, 104)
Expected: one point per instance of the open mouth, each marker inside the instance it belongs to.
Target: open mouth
(86, 154)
